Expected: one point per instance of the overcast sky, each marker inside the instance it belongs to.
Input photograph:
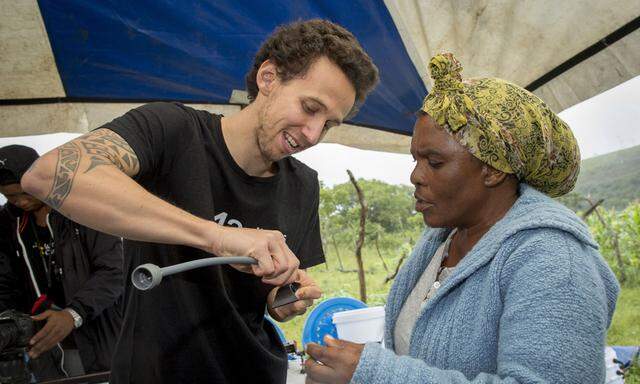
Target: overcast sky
(605, 123)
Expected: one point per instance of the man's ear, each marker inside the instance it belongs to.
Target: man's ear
(492, 177)
(267, 77)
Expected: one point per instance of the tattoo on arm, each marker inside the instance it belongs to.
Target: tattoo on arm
(66, 168)
(100, 147)
(105, 147)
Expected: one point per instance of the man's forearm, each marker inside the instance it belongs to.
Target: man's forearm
(106, 199)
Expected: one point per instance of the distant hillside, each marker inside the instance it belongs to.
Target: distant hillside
(614, 177)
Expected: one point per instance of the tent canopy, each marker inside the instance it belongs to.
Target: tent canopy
(69, 66)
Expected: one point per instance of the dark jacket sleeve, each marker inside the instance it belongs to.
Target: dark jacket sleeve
(9, 285)
(105, 284)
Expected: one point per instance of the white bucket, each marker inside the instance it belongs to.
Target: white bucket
(360, 325)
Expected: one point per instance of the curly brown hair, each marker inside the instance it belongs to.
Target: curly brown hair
(294, 47)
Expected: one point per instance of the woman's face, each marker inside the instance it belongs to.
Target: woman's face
(449, 181)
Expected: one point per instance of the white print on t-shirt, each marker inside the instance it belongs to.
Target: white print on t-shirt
(221, 218)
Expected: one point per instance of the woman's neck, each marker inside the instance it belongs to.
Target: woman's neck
(466, 237)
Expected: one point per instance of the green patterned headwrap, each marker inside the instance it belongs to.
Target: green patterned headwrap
(504, 126)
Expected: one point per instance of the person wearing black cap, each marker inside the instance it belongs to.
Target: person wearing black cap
(68, 276)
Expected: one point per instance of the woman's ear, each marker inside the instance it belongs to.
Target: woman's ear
(492, 177)
(266, 77)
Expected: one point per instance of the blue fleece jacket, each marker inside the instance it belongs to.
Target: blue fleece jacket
(530, 303)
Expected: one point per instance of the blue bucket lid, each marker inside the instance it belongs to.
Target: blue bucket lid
(319, 322)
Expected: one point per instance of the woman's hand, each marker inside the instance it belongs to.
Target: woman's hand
(333, 364)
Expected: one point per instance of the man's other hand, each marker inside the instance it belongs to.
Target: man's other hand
(306, 294)
(59, 325)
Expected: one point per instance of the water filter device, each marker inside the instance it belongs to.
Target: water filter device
(148, 276)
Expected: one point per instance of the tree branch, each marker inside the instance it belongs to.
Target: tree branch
(360, 241)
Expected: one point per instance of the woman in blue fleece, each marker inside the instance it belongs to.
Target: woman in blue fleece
(508, 285)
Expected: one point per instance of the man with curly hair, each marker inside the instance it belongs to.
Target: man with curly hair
(183, 184)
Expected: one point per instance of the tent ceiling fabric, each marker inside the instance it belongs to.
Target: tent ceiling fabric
(200, 51)
(612, 66)
(129, 52)
(37, 119)
(27, 68)
(520, 41)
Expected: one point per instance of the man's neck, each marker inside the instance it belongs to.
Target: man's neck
(240, 135)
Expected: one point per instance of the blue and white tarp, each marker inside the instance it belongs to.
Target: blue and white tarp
(198, 51)
(69, 65)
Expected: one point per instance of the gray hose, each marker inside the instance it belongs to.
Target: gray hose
(147, 276)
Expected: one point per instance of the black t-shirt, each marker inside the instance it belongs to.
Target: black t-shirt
(207, 325)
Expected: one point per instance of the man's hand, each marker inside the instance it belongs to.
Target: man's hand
(277, 265)
(59, 325)
(306, 294)
(334, 364)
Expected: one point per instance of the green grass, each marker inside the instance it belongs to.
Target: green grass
(624, 330)
(633, 375)
(625, 327)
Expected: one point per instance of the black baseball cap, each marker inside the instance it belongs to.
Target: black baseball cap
(14, 162)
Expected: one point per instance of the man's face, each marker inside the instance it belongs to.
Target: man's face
(16, 196)
(298, 112)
